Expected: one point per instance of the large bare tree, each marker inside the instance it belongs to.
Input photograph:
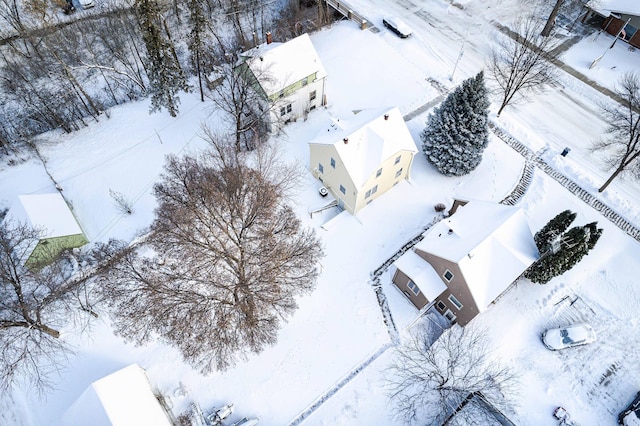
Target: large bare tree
(621, 146)
(35, 303)
(430, 380)
(520, 63)
(223, 263)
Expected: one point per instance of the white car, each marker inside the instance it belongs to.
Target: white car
(397, 26)
(567, 337)
(87, 4)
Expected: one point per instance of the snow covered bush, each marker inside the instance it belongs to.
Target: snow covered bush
(457, 132)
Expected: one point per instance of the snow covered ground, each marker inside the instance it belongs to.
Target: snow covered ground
(340, 325)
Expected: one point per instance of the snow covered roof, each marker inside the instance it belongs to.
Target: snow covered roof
(422, 274)
(120, 399)
(626, 7)
(48, 212)
(373, 135)
(284, 63)
(491, 243)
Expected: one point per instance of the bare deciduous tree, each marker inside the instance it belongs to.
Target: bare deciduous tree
(621, 147)
(224, 261)
(430, 380)
(519, 64)
(11, 13)
(551, 20)
(246, 110)
(35, 302)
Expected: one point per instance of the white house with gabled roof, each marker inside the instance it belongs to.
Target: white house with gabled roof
(290, 76)
(467, 260)
(359, 158)
(123, 398)
(49, 214)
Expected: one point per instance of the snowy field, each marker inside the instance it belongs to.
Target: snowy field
(340, 324)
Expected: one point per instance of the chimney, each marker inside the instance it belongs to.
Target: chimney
(269, 37)
(345, 140)
(386, 116)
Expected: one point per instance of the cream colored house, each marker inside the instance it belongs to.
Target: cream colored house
(289, 76)
(363, 156)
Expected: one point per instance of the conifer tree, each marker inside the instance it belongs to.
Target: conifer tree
(553, 229)
(196, 40)
(166, 77)
(457, 132)
(573, 246)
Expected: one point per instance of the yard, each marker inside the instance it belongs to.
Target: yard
(327, 367)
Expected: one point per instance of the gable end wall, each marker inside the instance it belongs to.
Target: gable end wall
(457, 286)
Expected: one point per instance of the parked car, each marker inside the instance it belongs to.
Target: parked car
(87, 4)
(397, 26)
(631, 414)
(567, 337)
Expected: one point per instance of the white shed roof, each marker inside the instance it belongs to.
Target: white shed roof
(123, 398)
(48, 212)
(371, 139)
(284, 63)
(422, 274)
(626, 7)
(491, 244)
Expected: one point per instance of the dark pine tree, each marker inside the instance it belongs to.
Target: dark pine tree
(457, 131)
(196, 40)
(166, 77)
(574, 245)
(553, 229)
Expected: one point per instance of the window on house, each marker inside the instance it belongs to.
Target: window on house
(398, 159)
(413, 287)
(321, 167)
(304, 81)
(374, 189)
(450, 315)
(441, 306)
(398, 173)
(312, 107)
(333, 163)
(283, 111)
(455, 301)
(367, 194)
(289, 108)
(281, 93)
(448, 275)
(312, 95)
(342, 189)
(379, 172)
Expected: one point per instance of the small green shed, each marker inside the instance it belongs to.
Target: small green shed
(50, 214)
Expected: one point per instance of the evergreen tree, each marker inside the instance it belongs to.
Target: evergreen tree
(457, 132)
(553, 229)
(166, 77)
(574, 245)
(196, 40)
